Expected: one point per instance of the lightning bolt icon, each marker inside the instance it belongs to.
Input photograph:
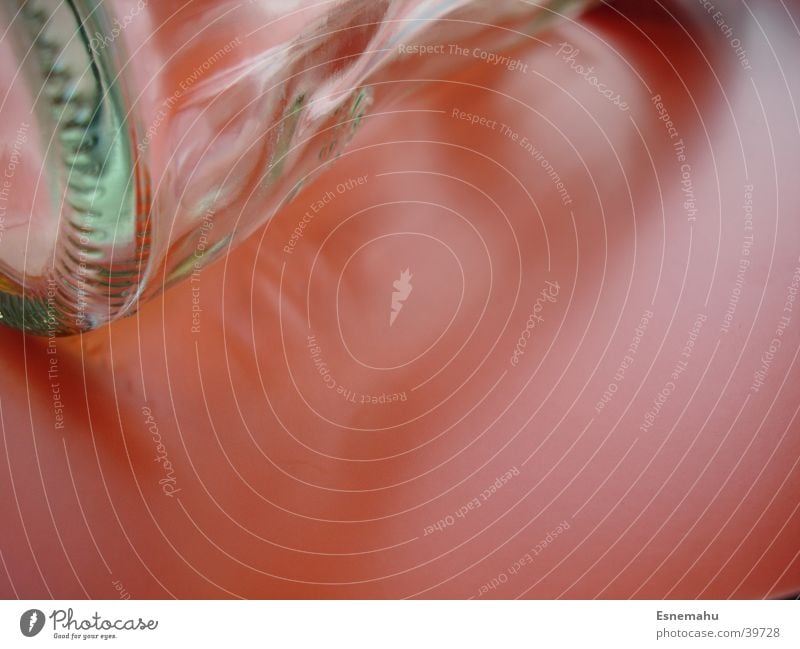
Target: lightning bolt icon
(402, 289)
(34, 617)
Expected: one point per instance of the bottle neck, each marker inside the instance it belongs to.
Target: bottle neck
(236, 105)
(169, 131)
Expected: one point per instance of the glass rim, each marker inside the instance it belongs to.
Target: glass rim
(99, 255)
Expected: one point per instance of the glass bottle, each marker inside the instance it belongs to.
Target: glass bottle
(141, 139)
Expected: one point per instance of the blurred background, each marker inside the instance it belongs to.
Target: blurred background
(538, 339)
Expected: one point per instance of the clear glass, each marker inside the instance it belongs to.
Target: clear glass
(142, 139)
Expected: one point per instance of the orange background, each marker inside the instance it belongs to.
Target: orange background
(283, 487)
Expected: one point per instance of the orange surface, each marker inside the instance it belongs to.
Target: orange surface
(466, 470)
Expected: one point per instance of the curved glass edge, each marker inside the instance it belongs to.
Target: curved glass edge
(102, 241)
